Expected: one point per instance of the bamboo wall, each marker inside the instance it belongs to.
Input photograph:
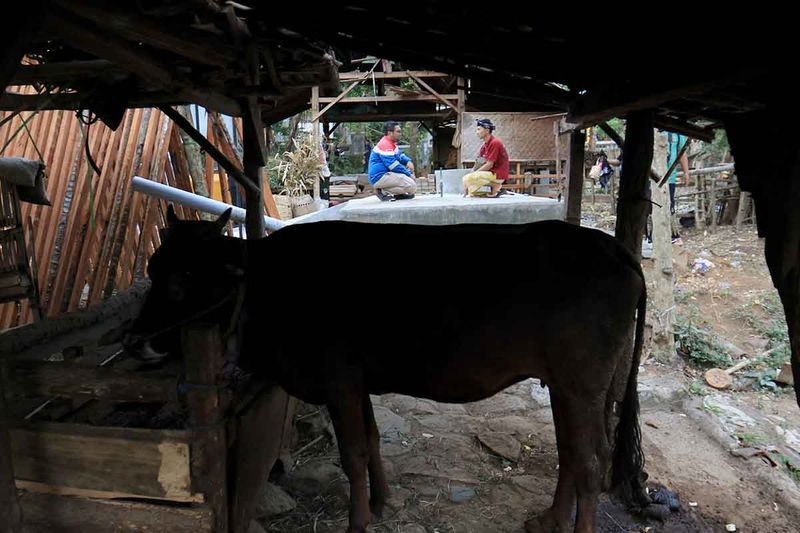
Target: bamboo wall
(96, 237)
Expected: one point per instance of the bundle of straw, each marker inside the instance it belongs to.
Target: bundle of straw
(299, 168)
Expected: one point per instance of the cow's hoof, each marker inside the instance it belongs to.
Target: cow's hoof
(544, 523)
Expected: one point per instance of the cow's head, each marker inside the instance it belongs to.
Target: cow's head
(196, 275)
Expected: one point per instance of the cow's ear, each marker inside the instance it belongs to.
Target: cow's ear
(172, 218)
(223, 219)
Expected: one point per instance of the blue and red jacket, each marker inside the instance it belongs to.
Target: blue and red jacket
(387, 157)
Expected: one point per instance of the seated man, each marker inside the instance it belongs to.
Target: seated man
(491, 166)
(391, 172)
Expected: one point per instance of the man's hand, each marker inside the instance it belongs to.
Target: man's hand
(410, 166)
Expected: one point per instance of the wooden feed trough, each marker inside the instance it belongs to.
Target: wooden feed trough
(101, 443)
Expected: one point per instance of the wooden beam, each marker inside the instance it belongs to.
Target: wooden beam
(39, 378)
(575, 171)
(367, 99)
(431, 90)
(611, 132)
(684, 128)
(632, 203)
(335, 100)
(601, 104)
(340, 97)
(384, 116)
(183, 41)
(253, 159)
(73, 101)
(103, 45)
(347, 76)
(137, 61)
(210, 149)
(81, 457)
(68, 71)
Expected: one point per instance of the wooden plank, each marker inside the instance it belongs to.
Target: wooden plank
(150, 216)
(138, 202)
(39, 378)
(347, 76)
(141, 462)
(44, 512)
(341, 96)
(105, 209)
(122, 171)
(88, 217)
(210, 149)
(64, 266)
(368, 99)
(115, 271)
(431, 90)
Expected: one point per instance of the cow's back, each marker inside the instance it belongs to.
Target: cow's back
(428, 299)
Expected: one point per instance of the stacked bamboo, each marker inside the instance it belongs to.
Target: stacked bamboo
(98, 234)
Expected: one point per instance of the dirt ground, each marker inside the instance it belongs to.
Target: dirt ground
(490, 465)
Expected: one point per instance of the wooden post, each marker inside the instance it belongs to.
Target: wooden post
(315, 133)
(744, 208)
(663, 297)
(712, 200)
(252, 160)
(203, 362)
(557, 136)
(461, 104)
(13, 45)
(575, 169)
(632, 203)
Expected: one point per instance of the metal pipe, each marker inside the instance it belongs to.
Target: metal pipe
(708, 170)
(195, 201)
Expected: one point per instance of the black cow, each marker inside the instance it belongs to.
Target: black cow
(458, 338)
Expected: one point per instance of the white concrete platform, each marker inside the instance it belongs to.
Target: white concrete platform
(435, 210)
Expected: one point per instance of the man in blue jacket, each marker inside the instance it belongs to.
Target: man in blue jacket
(391, 172)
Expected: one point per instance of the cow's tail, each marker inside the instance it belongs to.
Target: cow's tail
(627, 475)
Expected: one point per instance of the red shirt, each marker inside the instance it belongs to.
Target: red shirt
(493, 150)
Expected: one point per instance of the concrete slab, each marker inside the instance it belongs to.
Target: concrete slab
(435, 210)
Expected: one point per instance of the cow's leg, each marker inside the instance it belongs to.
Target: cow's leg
(378, 487)
(346, 411)
(557, 518)
(590, 455)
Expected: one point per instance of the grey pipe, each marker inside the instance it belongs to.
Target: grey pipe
(195, 201)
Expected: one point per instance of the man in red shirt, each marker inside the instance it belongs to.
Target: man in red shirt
(491, 167)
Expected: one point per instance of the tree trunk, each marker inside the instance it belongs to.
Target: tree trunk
(195, 159)
(663, 297)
